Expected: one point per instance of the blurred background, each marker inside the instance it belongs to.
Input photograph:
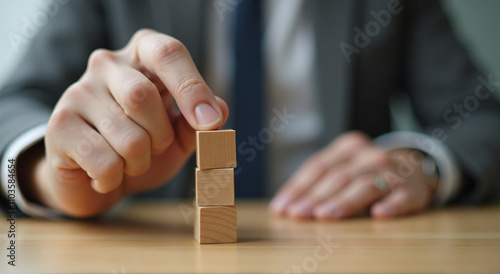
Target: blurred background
(475, 23)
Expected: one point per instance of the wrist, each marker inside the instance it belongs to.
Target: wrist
(415, 165)
(28, 166)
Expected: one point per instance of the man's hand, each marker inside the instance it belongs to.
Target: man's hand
(351, 175)
(116, 131)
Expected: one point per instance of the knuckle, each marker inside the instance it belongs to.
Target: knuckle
(129, 51)
(140, 34)
(353, 139)
(59, 119)
(366, 183)
(162, 145)
(138, 170)
(64, 174)
(137, 93)
(99, 57)
(188, 86)
(108, 166)
(293, 190)
(317, 160)
(77, 93)
(357, 138)
(381, 158)
(314, 160)
(134, 143)
(339, 175)
(168, 49)
(404, 196)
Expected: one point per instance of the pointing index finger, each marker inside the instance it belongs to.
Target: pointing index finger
(169, 59)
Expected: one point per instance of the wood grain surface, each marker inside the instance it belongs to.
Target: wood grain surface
(158, 237)
(215, 224)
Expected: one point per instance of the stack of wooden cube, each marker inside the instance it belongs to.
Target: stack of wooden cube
(215, 210)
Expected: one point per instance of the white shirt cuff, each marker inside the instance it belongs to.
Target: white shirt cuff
(18, 146)
(450, 178)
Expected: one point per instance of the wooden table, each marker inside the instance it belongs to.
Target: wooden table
(157, 237)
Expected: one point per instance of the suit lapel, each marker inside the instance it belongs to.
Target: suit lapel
(333, 24)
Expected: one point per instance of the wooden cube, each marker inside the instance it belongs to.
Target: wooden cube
(215, 224)
(215, 149)
(215, 187)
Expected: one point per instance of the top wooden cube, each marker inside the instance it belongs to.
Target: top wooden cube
(215, 149)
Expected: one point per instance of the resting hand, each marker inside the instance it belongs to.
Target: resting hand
(351, 175)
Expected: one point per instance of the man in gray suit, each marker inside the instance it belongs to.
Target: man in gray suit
(89, 126)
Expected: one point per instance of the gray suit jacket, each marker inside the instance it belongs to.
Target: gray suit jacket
(415, 53)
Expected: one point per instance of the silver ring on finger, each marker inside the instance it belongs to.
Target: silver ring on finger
(381, 184)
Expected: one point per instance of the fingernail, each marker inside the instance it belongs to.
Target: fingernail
(302, 209)
(336, 213)
(387, 210)
(278, 204)
(206, 115)
(330, 211)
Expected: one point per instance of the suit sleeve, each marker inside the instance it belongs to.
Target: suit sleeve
(56, 58)
(453, 100)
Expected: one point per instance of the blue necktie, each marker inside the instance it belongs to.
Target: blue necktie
(247, 99)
